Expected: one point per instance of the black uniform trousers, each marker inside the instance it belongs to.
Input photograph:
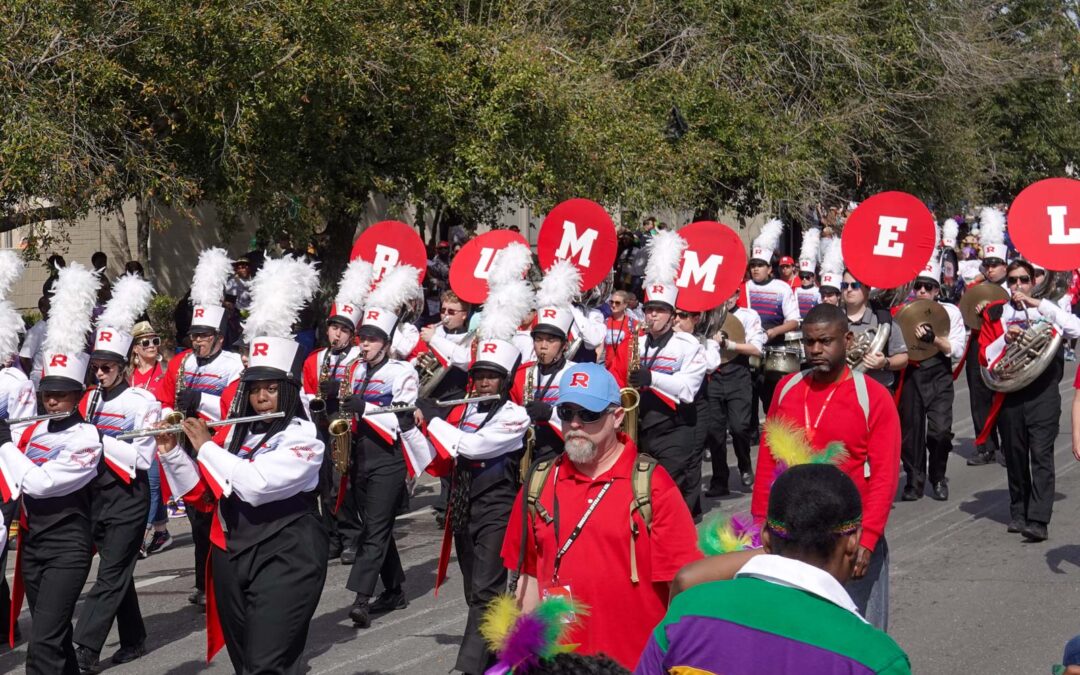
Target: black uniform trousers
(267, 594)
(729, 397)
(926, 415)
(200, 535)
(669, 444)
(10, 511)
(1029, 422)
(118, 513)
(55, 565)
(479, 553)
(343, 527)
(699, 419)
(980, 396)
(378, 479)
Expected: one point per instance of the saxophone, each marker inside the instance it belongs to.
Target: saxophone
(177, 416)
(630, 397)
(340, 428)
(530, 435)
(317, 405)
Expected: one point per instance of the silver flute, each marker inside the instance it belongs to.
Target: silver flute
(176, 428)
(40, 418)
(409, 407)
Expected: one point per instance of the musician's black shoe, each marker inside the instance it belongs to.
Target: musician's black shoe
(197, 598)
(1035, 531)
(359, 613)
(348, 555)
(440, 520)
(87, 659)
(335, 550)
(910, 495)
(1016, 525)
(747, 478)
(129, 653)
(717, 491)
(981, 458)
(940, 490)
(388, 601)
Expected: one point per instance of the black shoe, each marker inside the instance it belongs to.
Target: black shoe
(910, 495)
(747, 478)
(1016, 525)
(440, 520)
(981, 458)
(714, 492)
(129, 654)
(388, 601)
(335, 550)
(197, 598)
(1035, 531)
(348, 555)
(359, 613)
(940, 490)
(87, 659)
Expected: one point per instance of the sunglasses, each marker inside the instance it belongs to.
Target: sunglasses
(150, 342)
(925, 286)
(806, 276)
(685, 315)
(616, 303)
(567, 412)
(1025, 279)
(445, 310)
(104, 367)
(850, 285)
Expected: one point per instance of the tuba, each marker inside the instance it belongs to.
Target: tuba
(869, 341)
(1027, 357)
(432, 372)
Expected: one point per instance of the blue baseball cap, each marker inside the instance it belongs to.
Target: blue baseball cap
(590, 386)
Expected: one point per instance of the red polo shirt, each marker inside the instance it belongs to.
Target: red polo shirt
(873, 446)
(621, 614)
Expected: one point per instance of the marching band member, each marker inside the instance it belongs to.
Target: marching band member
(451, 343)
(772, 299)
(729, 393)
(551, 336)
(700, 416)
(120, 495)
(589, 323)
(950, 272)
(981, 397)
(619, 327)
(1028, 418)
(268, 560)
(378, 469)
(324, 371)
(807, 294)
(672, 368)
(926, 397)
(832, 272)
(880, 366)
(485, 440)
(50, 466)
(198, 377)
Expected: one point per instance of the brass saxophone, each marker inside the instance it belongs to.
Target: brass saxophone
(630, 397)
(340, 428)
(530, 435)
(317, 405)
(177, 416)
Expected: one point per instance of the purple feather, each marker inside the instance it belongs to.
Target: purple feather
(743, 524)
(525, 643)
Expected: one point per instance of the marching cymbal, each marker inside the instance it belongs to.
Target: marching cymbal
(916, 314)
(978, 295)
(735, 332)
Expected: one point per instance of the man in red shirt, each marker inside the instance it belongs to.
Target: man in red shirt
(787, 272)
(835, 404)
(582, 539)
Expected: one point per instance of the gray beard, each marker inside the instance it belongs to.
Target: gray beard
(580, 450)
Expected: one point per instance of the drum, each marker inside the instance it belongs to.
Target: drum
(793, 340)
(783, 360)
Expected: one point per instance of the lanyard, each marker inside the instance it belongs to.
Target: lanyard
(544, 388)
(828, 399)
(577, 528)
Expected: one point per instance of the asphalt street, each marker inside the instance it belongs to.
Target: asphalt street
(966, 595)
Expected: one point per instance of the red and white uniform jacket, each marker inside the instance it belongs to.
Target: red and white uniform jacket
(617, 346)
(17, 398)
(405, 341)
(335, 366)
(807, 299)
(992, 337)
(590, 327)
(452, 349)
(957, 331)
(130, 410)
(211, 380)
(677, 368)
(545, 388)
(392, 382)
(56, 463)
(465, 434)
(752, 328)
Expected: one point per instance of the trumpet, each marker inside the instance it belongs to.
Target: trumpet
(176, 428)
(409, 407)
(40, 418)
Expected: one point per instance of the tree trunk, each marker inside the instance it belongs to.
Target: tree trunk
(340, 232)
(142, 234)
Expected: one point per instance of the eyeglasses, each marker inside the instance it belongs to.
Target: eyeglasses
(447, 310)
(850, 285)
(567, 412)
(806, 276)
(150, 342)
(684, 315)
(202, 336)
(103, 367)
(1024, 279)
(616, 303)
(925, 286)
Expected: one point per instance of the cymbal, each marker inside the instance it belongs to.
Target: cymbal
(976, 295)
(916, 314)
(735, 332)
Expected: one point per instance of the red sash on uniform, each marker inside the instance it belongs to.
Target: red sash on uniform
(18, 591)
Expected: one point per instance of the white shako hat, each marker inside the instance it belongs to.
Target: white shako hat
(808, 254)
(130, 297)
(11, 322)
(279, 292)
(554, 313)
(767, 241)
(666, 249)
(208, 289)
(508, 302)
(992, 234)
(949, 232)
(352, 293)
(832, 265)
(932, 270)
(387, 300)
(65, 358)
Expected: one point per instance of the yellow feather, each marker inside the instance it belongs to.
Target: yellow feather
(787, 442)
(729, 541)
(499, 618)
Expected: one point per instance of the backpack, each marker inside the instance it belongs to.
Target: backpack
(860, 393)
(640, 483)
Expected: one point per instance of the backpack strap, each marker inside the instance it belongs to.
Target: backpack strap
(795, 379)
(862, 395)
(641, 484)
(535, 478)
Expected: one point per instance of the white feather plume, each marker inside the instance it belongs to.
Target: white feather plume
(991, 226)
(74, 295)
(278, 292)
(130, 296)
(951, 230)
(11, 327)
(666, 249)
(510, 295)
(811, 240)
(211, 273)
(769, 237)
(833, 259)
(355, 284)
(398, 285)
(561, 284)
(11, 268)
